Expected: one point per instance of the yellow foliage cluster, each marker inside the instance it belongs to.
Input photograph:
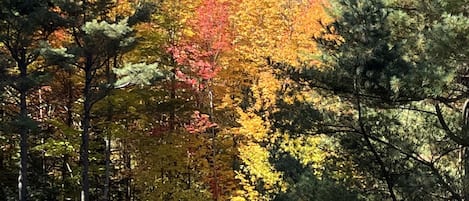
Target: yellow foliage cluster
(281, 30)
(307, 149)
(122, 8)
(267, 32)
(256, 159)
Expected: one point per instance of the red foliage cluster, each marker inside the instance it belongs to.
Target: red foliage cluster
(197, 56)
(212, 23)
(200, 123)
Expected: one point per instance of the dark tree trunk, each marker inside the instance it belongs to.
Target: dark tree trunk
(69, 124)
(466, 174)
(85, 194)
(172, 97)
(23, 178)
(108, 135)
(84, 153)
(64, 176)
(108, 167)
(216, 189)
(127, 166)
(465, 153)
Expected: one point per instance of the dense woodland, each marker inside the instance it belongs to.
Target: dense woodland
(241, 100)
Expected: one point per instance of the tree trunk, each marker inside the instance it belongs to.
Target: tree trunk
(108, 136)
(69, 124)
(84, 153)
(108, 167)
(465, 153)
(172, 97)
(128, 179)
(23, 178)
(466, 174)
(85, 194)
(64, 176)
(216, 193)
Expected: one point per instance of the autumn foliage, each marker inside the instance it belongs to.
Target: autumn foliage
(227, 47)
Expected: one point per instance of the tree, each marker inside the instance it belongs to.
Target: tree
(97, 41)
(24, 25)
(388, 73)
(197, 58)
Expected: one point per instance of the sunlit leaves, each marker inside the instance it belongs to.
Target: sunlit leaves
(308, 150)
(264, 181)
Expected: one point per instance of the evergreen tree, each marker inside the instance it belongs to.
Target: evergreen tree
(392, 70)
(24, 24)
(98, 40)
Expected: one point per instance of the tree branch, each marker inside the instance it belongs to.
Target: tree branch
(445, 126)
(413, 156)
(384, 172)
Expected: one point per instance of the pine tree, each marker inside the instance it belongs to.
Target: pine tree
(97, 40)
(392, 70)
(23, 25)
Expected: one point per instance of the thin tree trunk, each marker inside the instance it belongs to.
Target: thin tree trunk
(172, 96)
(64, 176)
(2, 154)
(23, 179)
(465, 153)
(108, 167)
(85, 195)
(69, 124)
(43, 152)
(108, 136)
(127, 165)
(85, 121)
(216, 189)
(172, 93)
(466, 174)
